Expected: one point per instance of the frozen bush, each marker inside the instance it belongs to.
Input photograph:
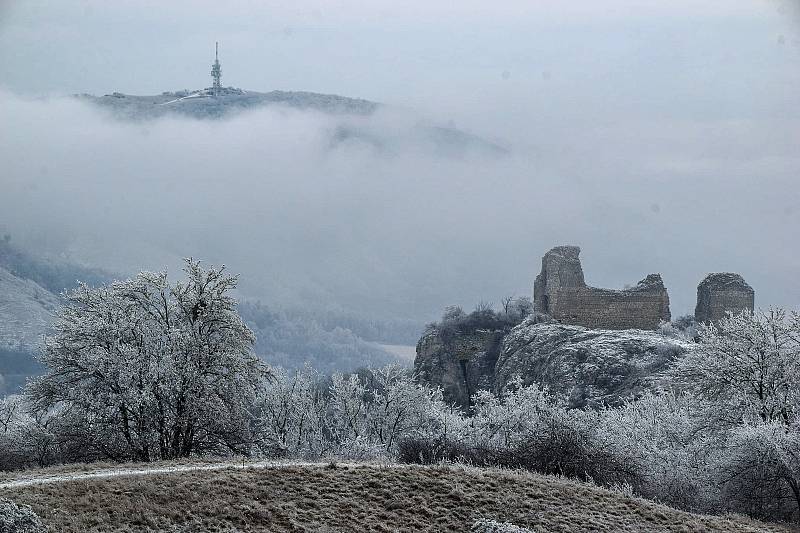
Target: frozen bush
(760, 471)
(671, 450)
(491, 526)
(19, 519)
(527, 427)
(683, 328)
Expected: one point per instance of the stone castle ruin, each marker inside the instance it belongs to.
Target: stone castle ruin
(596, 364)
(720, 293)
(561, 292)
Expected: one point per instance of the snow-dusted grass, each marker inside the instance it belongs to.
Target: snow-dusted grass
(347, 497)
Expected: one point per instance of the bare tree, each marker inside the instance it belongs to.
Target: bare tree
(507, 303)
(483, 307)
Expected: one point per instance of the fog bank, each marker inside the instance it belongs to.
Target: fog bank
(401, 233)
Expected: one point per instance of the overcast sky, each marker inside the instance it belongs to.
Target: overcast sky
(659, 136)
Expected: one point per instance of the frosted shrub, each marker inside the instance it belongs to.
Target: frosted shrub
(290, 415)
(760, 471)
(491, 526)
(19, 519)
(659, 437)
(526, 427)
(682, 328)
(517, 412)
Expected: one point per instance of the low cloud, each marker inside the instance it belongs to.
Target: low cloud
(313, 219)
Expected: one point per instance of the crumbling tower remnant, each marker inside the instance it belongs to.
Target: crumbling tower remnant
(720, 293)
(561, 292)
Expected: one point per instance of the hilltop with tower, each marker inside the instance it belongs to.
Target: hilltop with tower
(218, 102)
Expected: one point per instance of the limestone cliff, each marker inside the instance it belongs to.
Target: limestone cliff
(461, 363)
(590, 367)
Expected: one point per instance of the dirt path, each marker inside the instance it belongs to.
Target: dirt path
(144, 471)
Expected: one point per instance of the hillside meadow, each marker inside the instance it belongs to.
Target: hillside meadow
(345, 497)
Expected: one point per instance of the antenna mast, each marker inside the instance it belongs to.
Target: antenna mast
(216, 72)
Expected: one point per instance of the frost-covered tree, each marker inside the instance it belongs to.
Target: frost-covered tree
(348, 409)
(748, 372)
(664, 438)
(364, 414)
(10, 413)
(30, 438)
(398, 406)
(291, 419)
(748, 366)
(148, 370)
(516, 413)
(760, 471)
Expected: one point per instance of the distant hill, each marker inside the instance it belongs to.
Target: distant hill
(53, 274)
(29, 302)
(26, 312)
(200, 104)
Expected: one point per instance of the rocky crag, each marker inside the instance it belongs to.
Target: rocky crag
(588, 367)
(593, 346)
(461, 363)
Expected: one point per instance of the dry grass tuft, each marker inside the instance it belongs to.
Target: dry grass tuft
(351, 498)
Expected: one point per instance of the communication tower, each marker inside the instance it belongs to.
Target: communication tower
(216, 72)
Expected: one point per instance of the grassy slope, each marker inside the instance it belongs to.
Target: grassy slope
(350, 498)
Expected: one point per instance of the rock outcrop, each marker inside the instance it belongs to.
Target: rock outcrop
(593, 346)
(561, 292)
(461, 363)
(721, 293)
(589, 367)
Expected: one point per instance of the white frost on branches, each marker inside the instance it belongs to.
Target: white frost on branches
(146, 370)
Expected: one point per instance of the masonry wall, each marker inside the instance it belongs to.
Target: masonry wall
(607, 309)
(561, 292)
(721, 293)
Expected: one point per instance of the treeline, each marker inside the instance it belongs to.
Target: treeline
(292, 340)
(388, 331)
(513, 310)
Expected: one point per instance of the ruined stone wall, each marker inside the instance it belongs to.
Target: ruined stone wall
(561, 292)
(608, 309)
(720, 293)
